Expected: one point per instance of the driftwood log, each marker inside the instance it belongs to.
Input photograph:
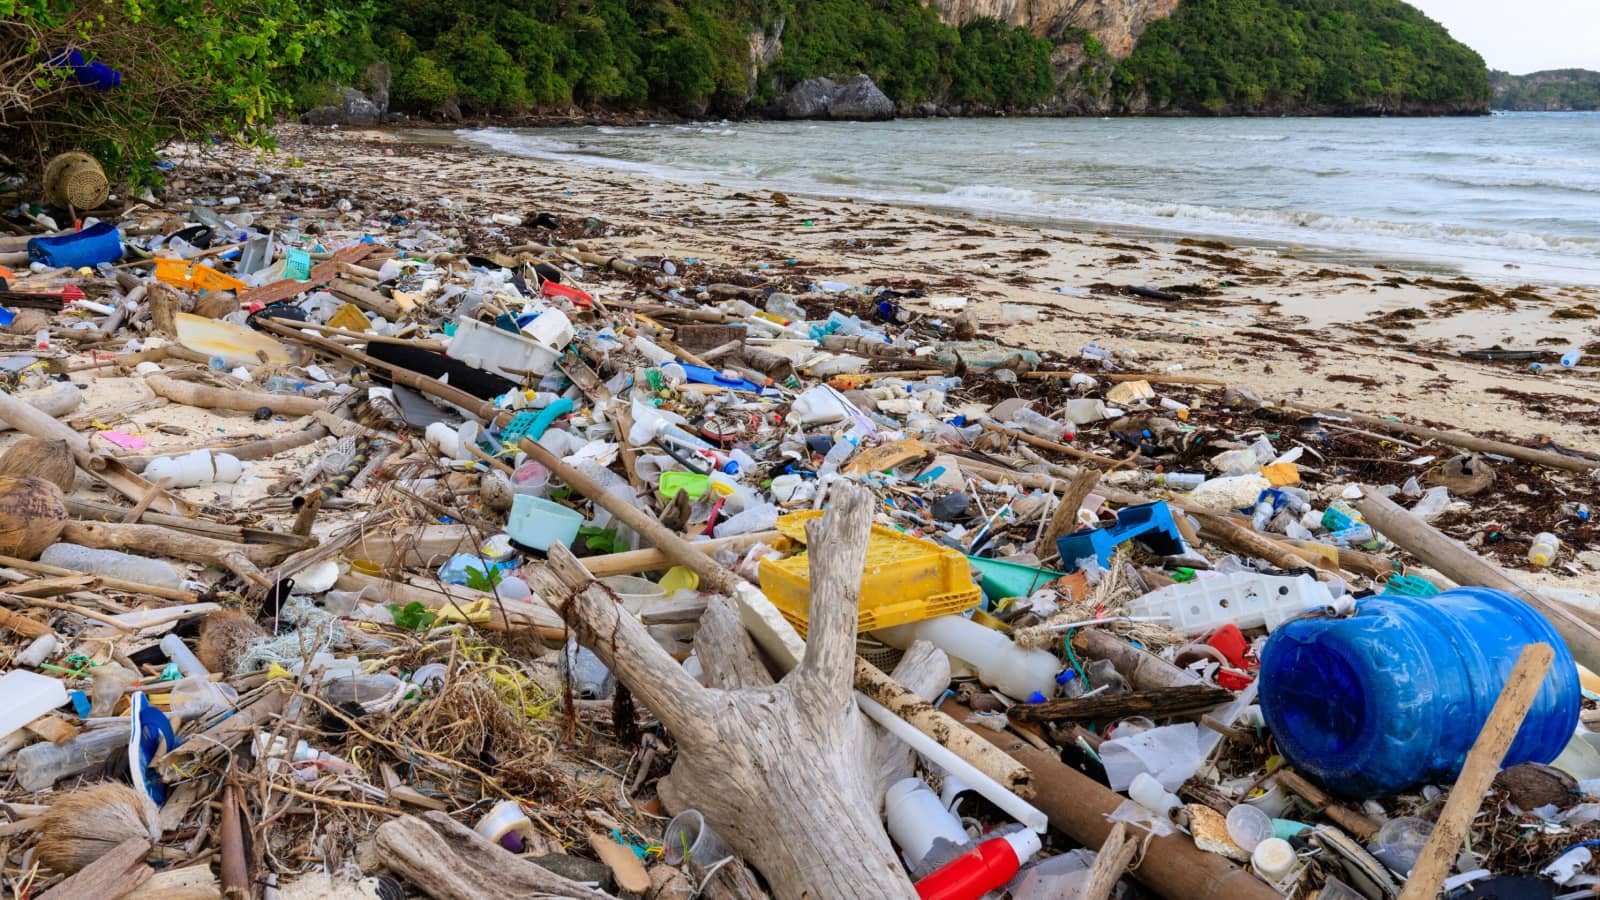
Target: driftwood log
(241, 559)
(450, 861)
(206, 396)
(1161, 703)
(780, 771)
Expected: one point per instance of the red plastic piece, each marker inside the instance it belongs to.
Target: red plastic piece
(1233, 681)
(1230, 642)
(972, 874)
(578, 298)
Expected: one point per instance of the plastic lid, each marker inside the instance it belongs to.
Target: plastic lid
(1026, 843)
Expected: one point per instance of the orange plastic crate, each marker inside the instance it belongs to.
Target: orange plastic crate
(906, 579)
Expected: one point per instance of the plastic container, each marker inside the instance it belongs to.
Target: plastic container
(194, 468)
(1273, 859)
(538, 523)
(93, 245)
(916, 818)
(507, 825)
(1017, 672)
(28, 696)
(1244, 599)
(1041, 425)
(507, 353)
(551, 328)
(1394, 694)
(1146, 791)
(1400, 842)
(906, 579)
(530, 478)
(981, 869)
(688, 839)
(41, 765)
(1544, 549)
(372, 691)
(635, 593)
(111, 564)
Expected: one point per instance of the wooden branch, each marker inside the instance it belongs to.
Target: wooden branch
(241, 559)
(115, 584)
(1064, 520)
(1456, 439)
(1357, 823)
(1228, 532)
(1162, 703)
(449, 861)
(1143, 669)
(1414, 535)
(1483, 763)
(21, 625)
(1045, 444)
(633, 562)
(1109, 863)
(206, 396)
(110, 877)
(714, 577)
(188, 883)
(831, 639)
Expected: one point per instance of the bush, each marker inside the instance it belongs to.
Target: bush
(190, 68)
(424, 82)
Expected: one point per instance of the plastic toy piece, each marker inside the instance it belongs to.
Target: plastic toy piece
(1148, 523)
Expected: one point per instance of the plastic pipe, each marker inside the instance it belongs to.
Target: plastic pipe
(179, 652)
(991, 790)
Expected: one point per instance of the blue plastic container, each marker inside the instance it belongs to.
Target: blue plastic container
(96, 244)
(1394, 695)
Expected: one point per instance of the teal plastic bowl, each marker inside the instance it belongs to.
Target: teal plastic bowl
(538, 523)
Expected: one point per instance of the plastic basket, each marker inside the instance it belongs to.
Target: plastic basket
(906, 579)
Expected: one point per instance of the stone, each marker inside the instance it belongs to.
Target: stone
(807, 100)
(352, 108)
(860, 100)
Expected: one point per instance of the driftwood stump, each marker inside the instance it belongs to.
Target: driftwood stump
(788, 773)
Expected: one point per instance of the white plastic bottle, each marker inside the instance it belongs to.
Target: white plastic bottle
(1017, 672)
(916, 819)
(1544, 549)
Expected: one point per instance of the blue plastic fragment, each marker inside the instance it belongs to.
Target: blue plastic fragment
(1148, 523)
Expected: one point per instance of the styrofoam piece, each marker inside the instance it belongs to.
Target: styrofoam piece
(1245, 599)
(505, 353)
(552, 328)
(28, 696)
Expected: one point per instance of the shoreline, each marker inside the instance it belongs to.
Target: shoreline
(1376, 339)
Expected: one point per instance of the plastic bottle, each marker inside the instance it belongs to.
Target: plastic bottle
(1572, 357)
(41, 765)
(378, 688)
(760, 517)
(840, 451)
(42, 648)
(981, 869)
(1041, 425)
(916, 819)
(1394, 694)
(784, 306)
(1017, 672)
(112, 564)
(180, 654)
(1542, 552)
(1181, 481)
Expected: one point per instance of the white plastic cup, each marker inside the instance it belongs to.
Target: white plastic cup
(1248, 827)
(688, 839)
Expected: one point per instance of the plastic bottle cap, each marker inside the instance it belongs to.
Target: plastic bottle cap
(1273, 858)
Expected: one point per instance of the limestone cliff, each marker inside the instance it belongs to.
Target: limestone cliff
(1116, 24)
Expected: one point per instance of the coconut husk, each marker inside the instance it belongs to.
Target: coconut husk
(32, 513)
(34, 457)
(215, 305)
(223, 638)
(28, 321)
(86, 824)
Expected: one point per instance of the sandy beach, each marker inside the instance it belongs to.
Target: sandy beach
(1279, 321)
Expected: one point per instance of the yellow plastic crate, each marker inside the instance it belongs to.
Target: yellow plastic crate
(906, 579)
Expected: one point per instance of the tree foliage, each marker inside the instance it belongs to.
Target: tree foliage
(695, 55)
(1301, 55)
(1554, 89)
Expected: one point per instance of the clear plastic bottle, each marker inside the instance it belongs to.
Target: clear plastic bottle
(1041, 425)
(841, 450)
(112, 564)
(41, 765)
(1572, 357)
(1544, 549)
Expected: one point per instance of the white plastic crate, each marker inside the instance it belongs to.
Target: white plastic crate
(1244, 599)
(505, 353)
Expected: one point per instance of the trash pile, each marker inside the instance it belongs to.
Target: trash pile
(361, 549)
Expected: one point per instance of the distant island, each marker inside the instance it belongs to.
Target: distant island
(1555, 90)
(743, 58)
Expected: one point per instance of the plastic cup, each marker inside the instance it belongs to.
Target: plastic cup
(1248, 827)
(688, 839)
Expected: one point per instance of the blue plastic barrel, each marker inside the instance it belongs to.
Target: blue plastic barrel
(96, 244)
(1394, 695)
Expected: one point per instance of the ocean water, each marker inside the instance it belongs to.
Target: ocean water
(1510, 197)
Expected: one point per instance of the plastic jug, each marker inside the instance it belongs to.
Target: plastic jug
(1017, 672)
(1395, 694)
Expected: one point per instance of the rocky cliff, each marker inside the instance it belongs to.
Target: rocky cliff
(1550, 91)
(1116, 24)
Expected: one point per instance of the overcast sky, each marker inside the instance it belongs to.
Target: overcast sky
(1522, 36)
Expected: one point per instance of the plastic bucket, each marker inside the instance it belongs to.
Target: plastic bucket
(536, 522)
(1395, 694)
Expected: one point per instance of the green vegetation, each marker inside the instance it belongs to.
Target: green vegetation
(191, 68)
(1556, 89)
(694, 55)
(1301, 55)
